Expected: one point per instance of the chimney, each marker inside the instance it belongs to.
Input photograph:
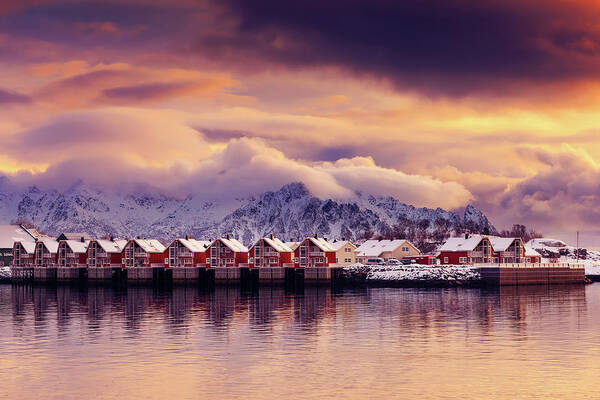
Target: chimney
(187, 237)
(316, 235)
(466, 235)
(272, 236)
(228, 236)
(82, 239)
(112, 238)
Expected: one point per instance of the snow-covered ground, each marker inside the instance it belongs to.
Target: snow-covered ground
(4, 273)
(417, 274)
(557, 249)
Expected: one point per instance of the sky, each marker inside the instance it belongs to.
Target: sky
(439, 103)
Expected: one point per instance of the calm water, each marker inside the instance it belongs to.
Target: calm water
(145, 343)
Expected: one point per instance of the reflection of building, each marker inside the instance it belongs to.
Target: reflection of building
(385, 249)
(270, 252)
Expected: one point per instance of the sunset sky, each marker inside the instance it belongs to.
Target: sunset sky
(438, 103)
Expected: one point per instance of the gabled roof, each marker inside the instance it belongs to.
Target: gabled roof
(234, 245)
(74, 236)
(51, 244)
(531, 252)
(28, 245)
(321, 243)
(341, 243)
(9, 234)
(112, 246)
(150, 245)
(292, 245)
(193, 245)
(77, 246)
(501, 243)
(374, 248)
(462, 244)
(277, 244)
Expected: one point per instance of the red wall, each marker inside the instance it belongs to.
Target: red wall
(453, 256)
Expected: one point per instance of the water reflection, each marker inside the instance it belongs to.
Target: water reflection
(229, 341)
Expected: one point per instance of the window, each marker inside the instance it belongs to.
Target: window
(405, 249)
(302, 260)
(337, 260)
(462, 260)
(528, 259)
(348, 250)
(495, 260)
(347, 260)
(445, 260)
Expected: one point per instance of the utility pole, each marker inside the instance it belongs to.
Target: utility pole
(577, 246)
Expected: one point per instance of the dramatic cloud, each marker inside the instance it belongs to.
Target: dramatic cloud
(438, 103)
(7, 97)
(434, 46)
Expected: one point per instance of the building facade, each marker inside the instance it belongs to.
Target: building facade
(385, 249)
(314, 252)
(186, 253)
(270, 252)
(226, 252)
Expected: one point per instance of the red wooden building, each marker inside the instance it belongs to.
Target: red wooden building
(24, 254)
(423, 259)
(469, 249)
(532, 256)
(226, 252)
(270, 252)
(507, 250)
(105, 253)
(143, 253)
(46, 250)
(186, 253)
(314, 252)
(72, 253)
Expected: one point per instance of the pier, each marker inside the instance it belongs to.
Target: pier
(491, 275)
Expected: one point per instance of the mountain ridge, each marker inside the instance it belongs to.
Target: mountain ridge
(291, 213)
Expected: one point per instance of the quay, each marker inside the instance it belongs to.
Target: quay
(476, 275)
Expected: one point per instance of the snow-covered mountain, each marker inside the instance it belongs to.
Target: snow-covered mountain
(290, 213)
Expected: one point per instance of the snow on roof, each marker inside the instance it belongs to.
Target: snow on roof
(341, 243)
(461, 244)
(234, 245)
(530, 252)
(50, 243)
(195, 246)
(277, 244)
(75, 236)
(150, 245)
(501, 243)
(322, 244)
(29, 246)
(374, 248)
(77, 246)
(545, 242)
(292, 245)
(9, 234)
(111, 246)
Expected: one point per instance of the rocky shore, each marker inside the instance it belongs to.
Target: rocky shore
(4, 274)
(411, 275)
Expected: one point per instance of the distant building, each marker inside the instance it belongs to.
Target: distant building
(314, 252)
(143, 253)
(105, 253)
(385, 249)
(532, 256)
(423, 259)
(475, 249)
(186, 253)
(226, 252)
(344, 252)
(270, 252)
(81, 236)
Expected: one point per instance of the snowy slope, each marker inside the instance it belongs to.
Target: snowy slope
(557, 249)
(290, 213)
